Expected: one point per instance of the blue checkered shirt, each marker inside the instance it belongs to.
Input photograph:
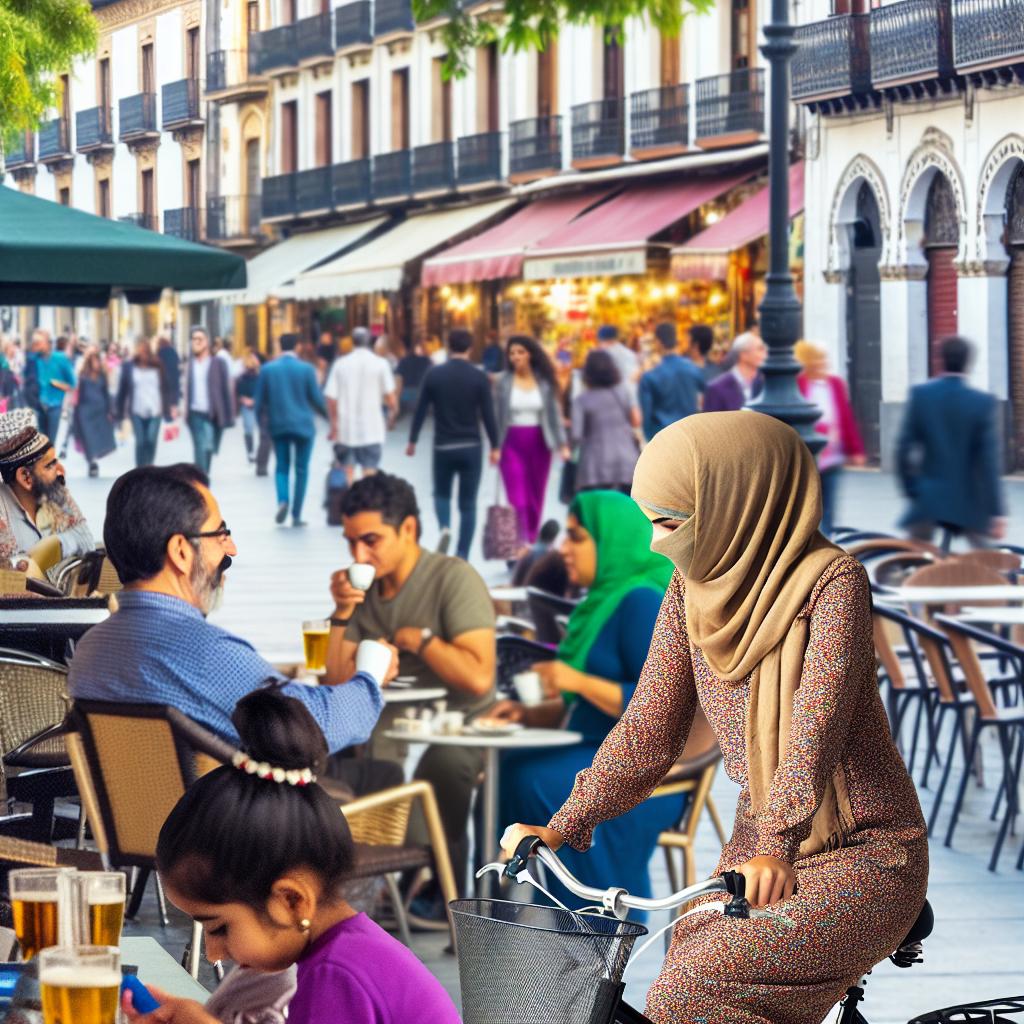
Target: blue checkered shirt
(158, 649)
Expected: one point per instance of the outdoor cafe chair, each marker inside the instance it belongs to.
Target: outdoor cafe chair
(1004, 562)
(893, 570)
(545, 610)
(872, 548)
(96, 575)
(516, 654)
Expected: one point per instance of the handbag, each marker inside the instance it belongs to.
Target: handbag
(567, 481)
(501, 529)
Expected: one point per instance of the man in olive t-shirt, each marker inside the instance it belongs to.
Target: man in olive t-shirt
(436, 610)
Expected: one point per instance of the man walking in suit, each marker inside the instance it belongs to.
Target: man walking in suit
(948, 456)
(733, 389)
(288, 395)
(673, 389)
(208, 405)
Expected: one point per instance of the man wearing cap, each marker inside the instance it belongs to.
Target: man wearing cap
(34, 501)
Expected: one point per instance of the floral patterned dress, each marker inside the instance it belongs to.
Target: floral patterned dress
(853, 905)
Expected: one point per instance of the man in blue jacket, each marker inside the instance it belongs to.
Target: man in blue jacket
(948, 456)
(673, 388)
(288, 394)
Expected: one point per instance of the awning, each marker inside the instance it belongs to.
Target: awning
(499, 251)
(612, 238)
(706, 256)
(55, 255)
(282, 262)
(379, 265)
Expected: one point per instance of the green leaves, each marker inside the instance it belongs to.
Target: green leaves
(39, 40)
(530, 24)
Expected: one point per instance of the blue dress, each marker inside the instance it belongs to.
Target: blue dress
(535, 783)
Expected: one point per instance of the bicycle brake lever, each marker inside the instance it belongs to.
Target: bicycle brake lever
(495, 866)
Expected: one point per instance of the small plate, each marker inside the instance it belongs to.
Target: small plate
(495, 728)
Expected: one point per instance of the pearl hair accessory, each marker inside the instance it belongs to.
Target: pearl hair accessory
(292, 776)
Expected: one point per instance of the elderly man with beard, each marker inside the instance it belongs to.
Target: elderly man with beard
(36, 509)
(166, 536)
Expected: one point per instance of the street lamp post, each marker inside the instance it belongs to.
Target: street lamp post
(780, 309)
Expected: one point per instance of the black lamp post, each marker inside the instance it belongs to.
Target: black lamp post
(780, 310)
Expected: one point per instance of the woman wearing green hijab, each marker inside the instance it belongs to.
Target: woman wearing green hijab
(607, 550)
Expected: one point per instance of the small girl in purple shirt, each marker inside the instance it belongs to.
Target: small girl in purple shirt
(257, 852)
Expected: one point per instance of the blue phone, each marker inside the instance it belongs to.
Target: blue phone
(142, 998)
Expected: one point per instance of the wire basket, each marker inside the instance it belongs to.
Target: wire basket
(525, 964)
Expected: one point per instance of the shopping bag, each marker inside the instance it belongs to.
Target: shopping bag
(501, 529)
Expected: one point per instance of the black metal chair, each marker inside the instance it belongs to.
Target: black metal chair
(516, 654)
(545, 610)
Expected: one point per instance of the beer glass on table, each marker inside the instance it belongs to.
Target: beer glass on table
(101, 898)
(80, 984)
(35, 895)
(315, 635)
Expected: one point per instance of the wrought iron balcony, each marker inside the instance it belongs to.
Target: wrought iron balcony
(832, 59)
(433, 167)
(185, 223)
(392, 16)
(94, 130)
(235, 72)
(660, 121)
(275, 49)
(730, 108)
(479, 159)
(598, 131)
(137, 116)
(181, 103)
(279, 197)
(535, 146)
(911, 42)
(233, 218)
(313, 37)
(141, 220)
(22, 153)
(392, 174)
(353, 25)
(54, 140)
(313, 190)
(350, 183)
(987, 34)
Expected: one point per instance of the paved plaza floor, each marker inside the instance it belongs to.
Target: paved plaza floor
(280, 578)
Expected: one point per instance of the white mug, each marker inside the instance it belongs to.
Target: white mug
(361, 575)
(373, 658)
(528, 688)
(452, 723)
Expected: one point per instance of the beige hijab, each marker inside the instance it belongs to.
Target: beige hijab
(750, 553)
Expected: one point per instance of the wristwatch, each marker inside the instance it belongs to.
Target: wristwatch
(426, 635)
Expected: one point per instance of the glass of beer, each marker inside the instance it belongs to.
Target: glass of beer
(80, 984)
(101, 897)
(314, 645)
(36, 894)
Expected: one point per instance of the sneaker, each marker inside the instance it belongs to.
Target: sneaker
(299, 522)
(445, 540)
(282, 513)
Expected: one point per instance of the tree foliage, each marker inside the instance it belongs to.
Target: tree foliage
(39, 40)
(532, 24)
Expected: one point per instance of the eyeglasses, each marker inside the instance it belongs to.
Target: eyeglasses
(221, 532)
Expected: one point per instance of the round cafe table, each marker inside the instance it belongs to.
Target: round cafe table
(411, 694)
(492, 745)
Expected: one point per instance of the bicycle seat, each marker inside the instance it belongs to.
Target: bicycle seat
(922, 927)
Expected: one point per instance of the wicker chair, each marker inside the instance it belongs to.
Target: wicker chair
(1005, 562)
(96, 575)
(892, 570)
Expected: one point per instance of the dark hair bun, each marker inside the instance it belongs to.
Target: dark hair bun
(279, 730)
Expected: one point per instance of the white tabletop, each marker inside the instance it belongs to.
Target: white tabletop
(410, 694)
(52, 615)
(950, 595)
(508, 593)
(994, 616)
(157, 967)
(522, 740)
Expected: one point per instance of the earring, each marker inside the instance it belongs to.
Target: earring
(304, 925)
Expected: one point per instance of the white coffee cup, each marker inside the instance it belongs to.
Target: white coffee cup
(528, 688)
(361, 575)
(452, 723)
(374, 658)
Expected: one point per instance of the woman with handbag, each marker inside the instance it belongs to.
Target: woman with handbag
(530, 429)
(146, 396)
(605, 419)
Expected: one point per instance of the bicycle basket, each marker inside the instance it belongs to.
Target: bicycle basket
(521, 963)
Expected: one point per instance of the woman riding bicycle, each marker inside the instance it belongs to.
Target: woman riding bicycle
(768, 626)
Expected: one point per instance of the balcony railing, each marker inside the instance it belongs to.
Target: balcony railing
(275, 49)
(660, 119)
(233, 218)
(94, 129)
(433, 167)
(141, 220)
(279, 196)
(392, 174)
(313, 190)
(911, 41)
(181, 103)
(21, 153)
(54, 140)
(479, 159)
(185, 223)
(730, 106)
(987, 33)
(233, 69)
(535, 146)
(313, 37)
(137, 116)
(353, 24)
(833, 58)
(350, 183)
(392, 16)
(598, 130)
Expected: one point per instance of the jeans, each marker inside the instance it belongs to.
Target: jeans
(146, 430)
(283, 445)
(49, 422)
(467, 465)
(249, 427)
(200, 426)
